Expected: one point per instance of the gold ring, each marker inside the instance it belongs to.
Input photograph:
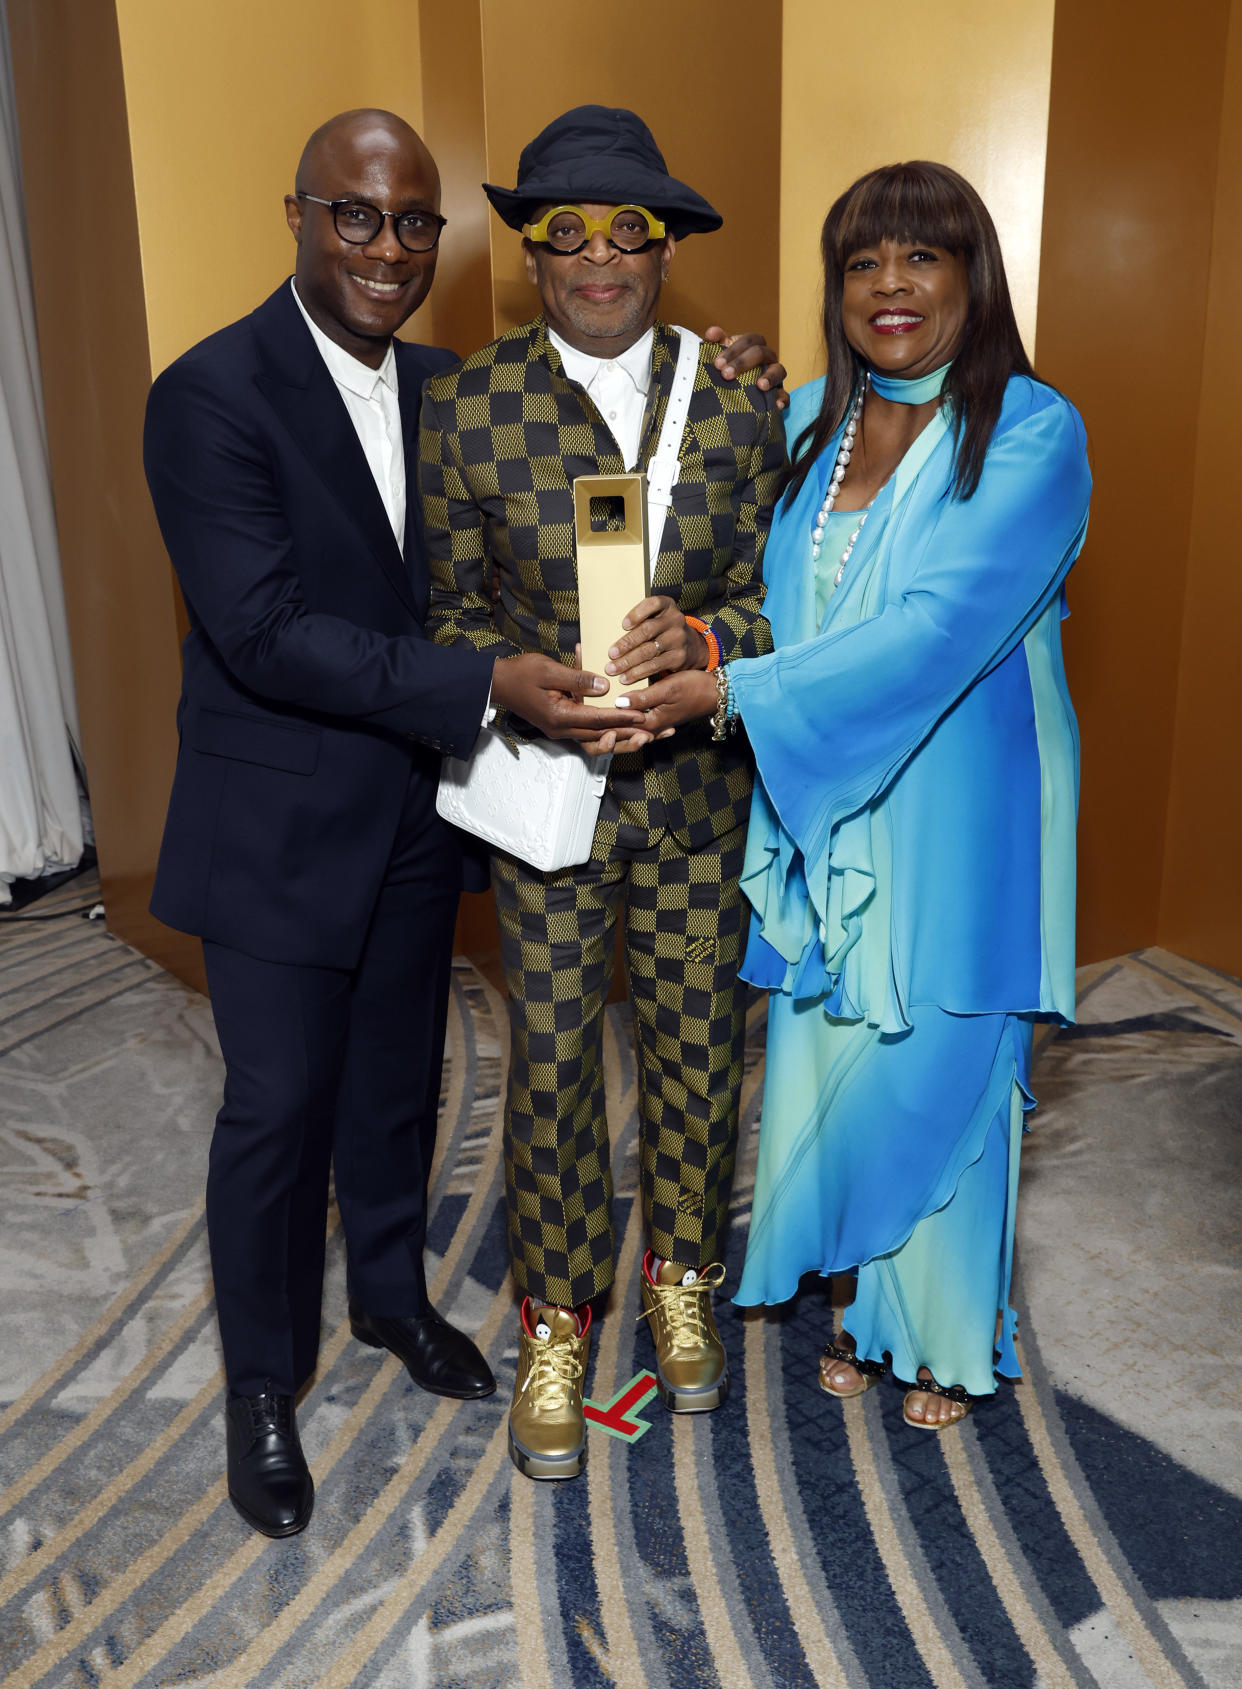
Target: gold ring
(656, 643)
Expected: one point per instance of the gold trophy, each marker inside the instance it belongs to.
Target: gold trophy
(614, 566)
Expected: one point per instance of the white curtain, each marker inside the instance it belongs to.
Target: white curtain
(40, 817)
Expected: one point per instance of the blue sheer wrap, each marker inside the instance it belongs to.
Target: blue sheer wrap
(940, 718)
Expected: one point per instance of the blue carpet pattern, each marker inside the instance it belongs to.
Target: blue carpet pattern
(786, 1540)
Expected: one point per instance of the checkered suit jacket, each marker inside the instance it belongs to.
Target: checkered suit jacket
(504, 436)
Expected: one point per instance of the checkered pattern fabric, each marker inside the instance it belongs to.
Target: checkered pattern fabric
(683, 937)
(504, 436)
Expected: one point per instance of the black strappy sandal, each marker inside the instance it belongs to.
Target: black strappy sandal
(871, 1371)
(951, 1393)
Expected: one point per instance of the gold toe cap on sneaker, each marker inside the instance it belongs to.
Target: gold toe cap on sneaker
(547, 1429)
(692, 1370)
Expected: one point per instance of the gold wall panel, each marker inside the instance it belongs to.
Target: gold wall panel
(221, 99)
(1129, 218)
(965, 83)
(164, 136)
(1201, 902)
(717, 125)
(93, 346)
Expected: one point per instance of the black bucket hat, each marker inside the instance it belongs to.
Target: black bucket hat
(605, 155)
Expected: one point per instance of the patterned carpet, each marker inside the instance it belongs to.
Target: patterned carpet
(1081, 1529)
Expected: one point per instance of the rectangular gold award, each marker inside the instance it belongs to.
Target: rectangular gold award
(614, 566)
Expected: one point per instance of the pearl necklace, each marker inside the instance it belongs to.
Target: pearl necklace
(834, 487)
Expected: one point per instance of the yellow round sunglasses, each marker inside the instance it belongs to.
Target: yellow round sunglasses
(567, 228)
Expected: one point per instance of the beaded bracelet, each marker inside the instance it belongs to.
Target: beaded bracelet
(713, 643)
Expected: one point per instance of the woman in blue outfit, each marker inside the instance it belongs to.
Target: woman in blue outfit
(911, 849)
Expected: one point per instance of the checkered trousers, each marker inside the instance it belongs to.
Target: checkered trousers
(684, 927)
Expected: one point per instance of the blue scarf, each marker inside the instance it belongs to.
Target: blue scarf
(913, 392)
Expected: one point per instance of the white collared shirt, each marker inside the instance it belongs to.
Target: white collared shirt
(370, 397)
(617, 386)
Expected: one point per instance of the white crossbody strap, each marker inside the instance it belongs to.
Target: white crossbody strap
(665, 464)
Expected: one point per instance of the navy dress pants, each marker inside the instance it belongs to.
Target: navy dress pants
(331, 1067)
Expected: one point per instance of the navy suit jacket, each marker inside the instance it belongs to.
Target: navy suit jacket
(310, 693)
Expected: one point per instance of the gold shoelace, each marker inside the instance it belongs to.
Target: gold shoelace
(683, 1307)
(555, 1373)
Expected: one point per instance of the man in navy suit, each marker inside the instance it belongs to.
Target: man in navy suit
(302, 842)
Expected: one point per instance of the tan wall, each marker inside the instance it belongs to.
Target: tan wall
(1132, 155)
(148, 129)
(1201, 903)
(969, 89)
(1108, 123)
(220, 100)
(718, 128)
(142, 120)
(96, 370)
(195, 116)
(459, 312)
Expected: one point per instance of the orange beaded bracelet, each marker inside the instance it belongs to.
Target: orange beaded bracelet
(713, 644)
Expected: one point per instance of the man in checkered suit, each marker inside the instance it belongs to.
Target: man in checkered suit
(582, 390)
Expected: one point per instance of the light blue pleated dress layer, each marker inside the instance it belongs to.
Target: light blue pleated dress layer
(910, 863)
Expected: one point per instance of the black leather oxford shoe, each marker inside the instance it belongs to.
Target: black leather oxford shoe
(269, 1482)
(437, 1357)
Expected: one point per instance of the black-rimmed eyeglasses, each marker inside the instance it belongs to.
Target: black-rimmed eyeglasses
(358, 222)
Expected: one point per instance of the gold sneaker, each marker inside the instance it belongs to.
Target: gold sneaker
(692, 1372)
(547, 1431)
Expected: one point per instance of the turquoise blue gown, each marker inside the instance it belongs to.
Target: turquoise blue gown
(911, 866)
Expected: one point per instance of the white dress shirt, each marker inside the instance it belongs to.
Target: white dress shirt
(617, 386)
(370, 397)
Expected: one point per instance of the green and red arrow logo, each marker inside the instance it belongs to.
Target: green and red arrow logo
(619, 1416)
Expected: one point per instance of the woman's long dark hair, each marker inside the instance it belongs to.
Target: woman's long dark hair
(933, 204)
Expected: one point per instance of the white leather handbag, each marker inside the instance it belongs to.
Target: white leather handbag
(538, 799)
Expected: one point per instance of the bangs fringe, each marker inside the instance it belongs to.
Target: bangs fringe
(906, 203)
